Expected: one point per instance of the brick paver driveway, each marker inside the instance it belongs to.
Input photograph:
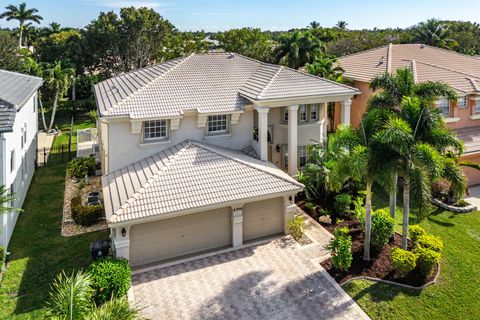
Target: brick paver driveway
(279, 279)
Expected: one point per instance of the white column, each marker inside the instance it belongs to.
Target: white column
(237, 227)
(289, 214)
(292, 140)
(324, 127)
(263, 132)
(121, 242)
(346, 104)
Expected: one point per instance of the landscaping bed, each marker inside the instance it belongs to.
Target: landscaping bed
(72, 188)
(379, 267)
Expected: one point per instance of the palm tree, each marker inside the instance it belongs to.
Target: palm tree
(22, 14)
(298, 48)
(54, 27)
(422, 146)
(116, 309)
(314, 25)
(434, 33)
(6, 199)
(392, 88)
(60, 80)
(342, 25)
(325, 66)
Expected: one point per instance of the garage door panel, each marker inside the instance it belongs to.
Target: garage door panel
(262, 218)
(166, 239)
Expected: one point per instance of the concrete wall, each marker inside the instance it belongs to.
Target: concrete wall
(26, 115)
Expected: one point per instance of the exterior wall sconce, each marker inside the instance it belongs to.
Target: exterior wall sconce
(124, 232)
(277, 148)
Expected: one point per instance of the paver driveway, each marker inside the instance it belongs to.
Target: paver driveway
(279, 279)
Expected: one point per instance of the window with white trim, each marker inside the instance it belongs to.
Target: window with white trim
(303, 113)
(155, 130)
(444, 106)
(217, 124)
(477, 107)
(285, 115)
(12, 160)
(314, 112)
(302, 156)
(462, 102)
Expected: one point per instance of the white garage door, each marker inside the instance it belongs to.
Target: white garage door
(262, 218)
(166, 239)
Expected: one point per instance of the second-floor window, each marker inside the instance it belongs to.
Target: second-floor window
(462, 102)
(444, 107)
(155, 130)
(314, 112)
(303, 113)
(302, 156)
(477, 107)
(217, 124)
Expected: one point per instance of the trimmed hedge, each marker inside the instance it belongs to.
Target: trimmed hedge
(426, 260)
(428, 241)
(383, 227)
(110, 277)
(415, 232)
(403, 261)
(85, 215)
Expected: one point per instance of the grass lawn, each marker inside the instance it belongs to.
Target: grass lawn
(454, 296)
(38, 250)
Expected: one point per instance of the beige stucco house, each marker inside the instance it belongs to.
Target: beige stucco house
(199, 153)
(460, 71)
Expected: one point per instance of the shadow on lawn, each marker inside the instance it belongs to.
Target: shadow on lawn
(383, 292)
(39, 252)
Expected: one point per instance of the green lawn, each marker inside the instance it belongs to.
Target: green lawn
(39, 252)
(455, 296)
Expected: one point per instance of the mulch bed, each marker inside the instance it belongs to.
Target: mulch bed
(379, 266)
(69, 227)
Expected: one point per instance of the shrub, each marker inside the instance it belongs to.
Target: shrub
(85, 215)
(359, 207)
(3, 256)
(79, 167)
(383, 226)
(403, 261)
(428, 241)
(341, 249)
(415, 232)
(110, 277)
(426, 260)
(461, 203)
(342, 203)
(310, 205)
(295, 226)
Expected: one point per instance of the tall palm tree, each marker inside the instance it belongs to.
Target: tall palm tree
(325, 67)
(22, 14)
(54, 27)
(314, 25)
(298, 48)
(60, 80)
(422, 146)
(342, 25)
(391, 89)
(434, 33)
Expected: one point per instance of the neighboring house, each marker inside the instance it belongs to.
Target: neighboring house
(460, 71)
(18, 143)
(194, 151)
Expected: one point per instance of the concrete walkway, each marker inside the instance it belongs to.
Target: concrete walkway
(474, 197)
(45, 142)
(277, 279)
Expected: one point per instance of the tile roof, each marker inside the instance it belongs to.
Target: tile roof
(187, 176)
(471, 139)
(460, 71)
(211, 82)
(15, 90)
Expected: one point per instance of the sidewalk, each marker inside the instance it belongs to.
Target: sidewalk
(45, 142)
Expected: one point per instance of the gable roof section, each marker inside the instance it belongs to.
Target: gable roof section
(460, 71)
(207, 83)
(15, 90)
(187, 176)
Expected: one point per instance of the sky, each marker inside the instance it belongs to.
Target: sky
(215, 15)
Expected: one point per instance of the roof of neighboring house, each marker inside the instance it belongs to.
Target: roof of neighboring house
(187, 176)
(471, 139)
(15, 90)
(460, 71)
(206, 83)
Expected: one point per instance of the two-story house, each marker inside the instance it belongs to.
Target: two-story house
(18, 143)
(427, 63)
(195, 151)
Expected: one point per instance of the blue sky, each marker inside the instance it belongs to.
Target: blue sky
(213, 15)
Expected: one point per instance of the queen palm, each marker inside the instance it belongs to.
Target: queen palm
(325, 67)
(22, 14)
(392, 88)
(422, 145)
(298, 48)
(342, 25)
(59, 79)
(434, 33)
